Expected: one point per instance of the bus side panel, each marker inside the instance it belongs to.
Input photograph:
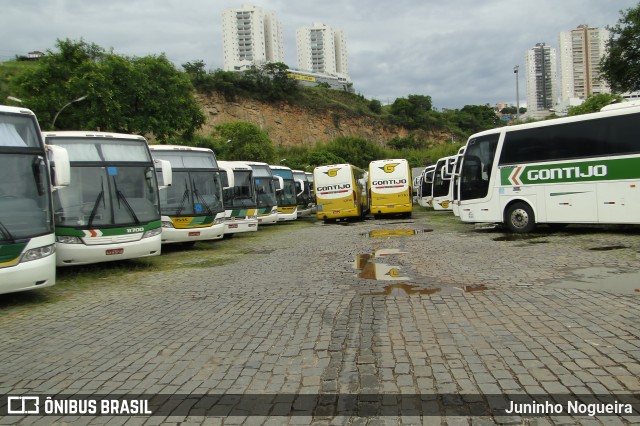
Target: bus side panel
(571, 202)
(619, 202)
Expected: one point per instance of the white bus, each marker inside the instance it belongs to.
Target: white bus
(425, 193)
(303, 193)
(239, 198)
(27, 239)
(191, 207)
(580, 169)
(110, 211)
(455, 182)
(286, 194)
(263, 182)
(443, 183)
(341, 192)
(390, 187)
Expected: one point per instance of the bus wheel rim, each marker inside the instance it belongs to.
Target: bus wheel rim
(520, 218)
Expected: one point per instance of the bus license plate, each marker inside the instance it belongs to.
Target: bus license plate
(233, 225)
(114, 251)
(194, 234)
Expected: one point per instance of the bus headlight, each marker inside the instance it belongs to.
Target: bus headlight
(255, 216)
(219, 221)
(167, 224)
(274, 210)
(38, 253)
(68, 239)
(152, 233)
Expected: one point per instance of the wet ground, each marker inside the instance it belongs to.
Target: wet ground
(420, 321)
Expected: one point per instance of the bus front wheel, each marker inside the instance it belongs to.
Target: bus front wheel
(520, 218)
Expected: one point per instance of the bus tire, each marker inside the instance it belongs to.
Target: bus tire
(519, 218)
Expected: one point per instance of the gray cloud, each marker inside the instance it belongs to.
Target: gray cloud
(459, 52)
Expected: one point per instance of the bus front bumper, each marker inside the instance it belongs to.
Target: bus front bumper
(81, 254)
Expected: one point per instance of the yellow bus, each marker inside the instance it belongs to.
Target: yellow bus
(390, 187)
(341, 192)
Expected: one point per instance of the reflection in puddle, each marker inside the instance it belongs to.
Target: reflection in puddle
(602, 278)
(377, 233)
(378, 271)
(471, 288)
(403, 290)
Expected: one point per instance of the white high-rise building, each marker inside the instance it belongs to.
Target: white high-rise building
(541, 76)
(581, 50)
(250, 36)
(322, 49)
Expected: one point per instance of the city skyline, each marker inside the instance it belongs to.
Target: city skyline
(459, 53)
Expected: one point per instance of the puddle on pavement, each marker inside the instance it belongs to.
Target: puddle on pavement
(604, 279)
(472, 288)
(519, 237)
(403, 290)
(607, 248)
(378, 233)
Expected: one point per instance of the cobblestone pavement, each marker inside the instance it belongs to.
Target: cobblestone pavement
(426, 327)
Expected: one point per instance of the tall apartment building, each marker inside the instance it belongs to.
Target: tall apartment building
(322, 49)
(250, 36)
(541, 75)
(581, 50)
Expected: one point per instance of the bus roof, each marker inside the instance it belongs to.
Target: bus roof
(178, 148)
(608, 111)
(90, 134)
(235, 165)
(16, 110)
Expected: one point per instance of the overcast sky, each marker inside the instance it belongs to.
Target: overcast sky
(459, 52)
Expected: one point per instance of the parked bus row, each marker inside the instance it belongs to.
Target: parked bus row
(345, 191)
(79, 197)
(581, 169)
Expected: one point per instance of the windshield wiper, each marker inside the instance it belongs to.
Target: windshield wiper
(120, 196)
(97, 203)
(185, 197)
(200, 199)
(5, 231)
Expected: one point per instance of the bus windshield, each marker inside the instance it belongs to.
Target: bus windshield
(25, 209)
(24, 200)
(476, 166)
(112, 184)
(107, 195)
(287, 196)
(192, 193)
(241, 195)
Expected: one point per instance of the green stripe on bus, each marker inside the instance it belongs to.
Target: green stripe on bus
(9, 253)
(109, 232)
(571, 172)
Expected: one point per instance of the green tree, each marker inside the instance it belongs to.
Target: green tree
(594, 103)
(243, 141)
(357, 151)
(620, 65)
(375, 106)
(411, 112)
(323, 157)
(142, 95)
